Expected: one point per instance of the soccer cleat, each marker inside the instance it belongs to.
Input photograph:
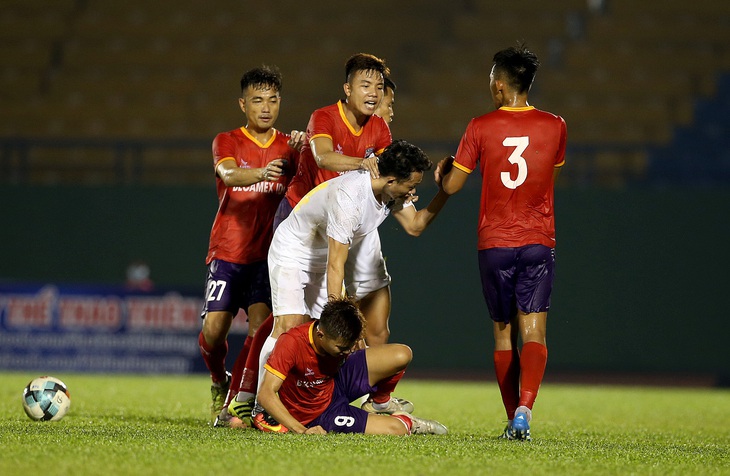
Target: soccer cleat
(509, 433)
(218, 393)
(521, 424)
(395, 404)
(242, 410)
(421, 426)
(265, 422)
(226, 420)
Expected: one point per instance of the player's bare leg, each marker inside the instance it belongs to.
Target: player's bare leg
(375, 308)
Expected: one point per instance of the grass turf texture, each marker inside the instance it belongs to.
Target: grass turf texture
(151, 425)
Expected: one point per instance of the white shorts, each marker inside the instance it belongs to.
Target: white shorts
(294, 291)
(365, 269)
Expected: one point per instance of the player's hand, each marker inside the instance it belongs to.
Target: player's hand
(442, 169)
(316, 430)
(411, 197)
(296, 140)
(274, 170)
(371, 165)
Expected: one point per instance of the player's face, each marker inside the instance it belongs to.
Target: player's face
(261, 106)
(364, 91)
(395, 189)
(385, 109)
(335, 347)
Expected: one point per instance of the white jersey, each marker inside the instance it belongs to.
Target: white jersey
(343, 208)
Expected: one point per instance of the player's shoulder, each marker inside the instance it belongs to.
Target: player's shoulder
(232, 134)
(328, 110)
(548, 115)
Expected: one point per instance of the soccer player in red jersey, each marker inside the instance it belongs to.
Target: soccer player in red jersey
(519, 150)
(313, 375)
(253, 165)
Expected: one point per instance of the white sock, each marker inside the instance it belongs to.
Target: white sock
(381, 406)
(243, 396)
(263, 357)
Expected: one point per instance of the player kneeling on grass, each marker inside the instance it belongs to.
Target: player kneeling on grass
(313, 374)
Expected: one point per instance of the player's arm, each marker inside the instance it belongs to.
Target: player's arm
(454, 177)
(235, 176)
(415, 222)
(336, 256)
(269, 399)
(326, 157)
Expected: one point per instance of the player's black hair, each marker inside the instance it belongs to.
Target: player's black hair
(341, 318)
(518, 66)
(364, 62)
(389, 83)
(262, 77)
(401, 158)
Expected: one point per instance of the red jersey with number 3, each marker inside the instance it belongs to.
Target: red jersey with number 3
(243, 226)
(330, 121)
(517, 149)
(308, 376)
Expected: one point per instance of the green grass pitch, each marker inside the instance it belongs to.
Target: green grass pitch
(157, 425)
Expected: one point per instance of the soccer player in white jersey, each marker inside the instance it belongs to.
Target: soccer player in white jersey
(318, 246)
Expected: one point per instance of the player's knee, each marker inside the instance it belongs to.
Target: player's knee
(215, 329)
(402, 355)
(396, 427)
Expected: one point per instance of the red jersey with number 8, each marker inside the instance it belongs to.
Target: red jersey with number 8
(517, 150)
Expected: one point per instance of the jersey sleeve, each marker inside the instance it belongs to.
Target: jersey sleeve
(344, 217)
(560, 156)
(283, 357)
(224, 148)
(467, 155)
(321, 124)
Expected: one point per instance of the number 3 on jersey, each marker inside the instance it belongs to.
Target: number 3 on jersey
(520, 145)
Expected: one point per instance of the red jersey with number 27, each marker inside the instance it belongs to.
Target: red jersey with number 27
(330, 121)
(308, 376)
(517, 149)
(243, 226)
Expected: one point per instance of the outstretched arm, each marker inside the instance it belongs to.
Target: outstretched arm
(454, 178)
(269, 399)
(326, 157)
(415, 222)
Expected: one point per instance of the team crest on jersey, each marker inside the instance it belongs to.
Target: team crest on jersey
(369, 151)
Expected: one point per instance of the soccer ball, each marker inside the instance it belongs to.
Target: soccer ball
(46, 398)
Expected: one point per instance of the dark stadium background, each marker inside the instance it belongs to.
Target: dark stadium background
(109, 108)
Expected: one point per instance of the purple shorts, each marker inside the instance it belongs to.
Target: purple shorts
(351, 383)
(232, 286)
(517, 278)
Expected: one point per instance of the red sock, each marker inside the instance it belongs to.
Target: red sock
(237, 372)
(385, 387)
(532, 361)
(250, 376)
(215, 358)
(507, 369)
(406, 421)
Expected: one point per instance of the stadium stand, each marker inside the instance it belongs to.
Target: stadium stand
(143, 75)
